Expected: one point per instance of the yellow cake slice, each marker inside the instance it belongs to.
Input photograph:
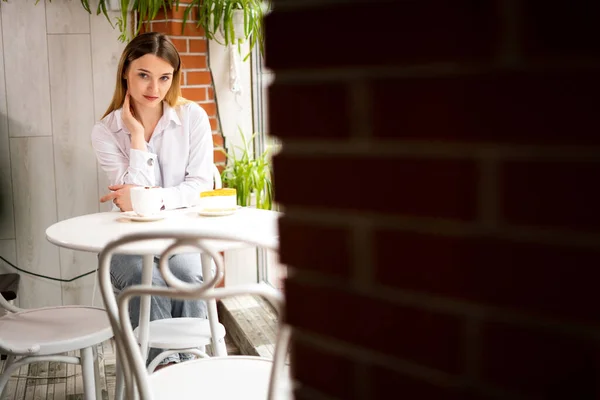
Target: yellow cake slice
(217, 200)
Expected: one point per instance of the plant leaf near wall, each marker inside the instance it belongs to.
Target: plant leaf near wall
(250, 175)
(218, 18)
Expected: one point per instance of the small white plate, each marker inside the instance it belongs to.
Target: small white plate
(134, 217)
(216, 213)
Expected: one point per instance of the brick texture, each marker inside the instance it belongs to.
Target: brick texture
(385, 381)
(327, 106)
(374, 324)
(491, 271)
(553, 107)
(315, 248)
(460, 139)
(336, 373)
(560, 31)
(540, 364)
(406, 186)
(447, 31)
(551, 194)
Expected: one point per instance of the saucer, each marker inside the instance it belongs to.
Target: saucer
(134, 217)
(217, 213)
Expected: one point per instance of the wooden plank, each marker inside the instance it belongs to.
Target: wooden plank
(106, 53)
(7, 219)
(30, 383)
(66, 16)
(71, 376)
(78, 379)
(11, 386)
(52, 374)
(26, 63)
(251, 323)
(74, 158)
(54, 386)
(60, 382)
(102, 383)
(8, 250)
(40, 386)
(21, 382)
(35, 211)
(109, 363)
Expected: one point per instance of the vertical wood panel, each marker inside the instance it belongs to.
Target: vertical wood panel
(67, 16)
(35, 210)
(27, 83)
(74, 159)
(106, 52)
(75, 263)
(8, 250)
(7, 220)
(72, 119)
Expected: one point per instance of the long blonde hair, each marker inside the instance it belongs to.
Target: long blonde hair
(148, 43)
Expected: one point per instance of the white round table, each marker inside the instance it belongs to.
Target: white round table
(93, 232)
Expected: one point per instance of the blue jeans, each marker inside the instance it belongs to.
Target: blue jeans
(126, 270)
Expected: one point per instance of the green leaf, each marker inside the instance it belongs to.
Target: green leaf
(86, 5)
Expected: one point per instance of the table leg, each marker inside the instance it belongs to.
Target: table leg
(144, 330)
(219, 346)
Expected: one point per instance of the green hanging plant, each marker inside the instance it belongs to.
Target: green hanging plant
(229, 22)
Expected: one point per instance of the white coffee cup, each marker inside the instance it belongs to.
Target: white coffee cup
(145, 200)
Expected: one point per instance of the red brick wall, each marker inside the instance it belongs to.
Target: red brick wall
(197, 82)
(440, 186)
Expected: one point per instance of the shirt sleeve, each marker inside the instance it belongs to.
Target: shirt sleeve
(199, 171)
(135, 168)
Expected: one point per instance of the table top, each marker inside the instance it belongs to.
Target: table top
(93, 232)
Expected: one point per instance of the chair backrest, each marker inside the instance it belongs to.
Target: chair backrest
(136, 378)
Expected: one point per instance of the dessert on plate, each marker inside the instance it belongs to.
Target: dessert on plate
(218, 200)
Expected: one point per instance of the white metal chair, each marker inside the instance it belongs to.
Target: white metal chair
(232, 377)
(45, 334)
(180, 335)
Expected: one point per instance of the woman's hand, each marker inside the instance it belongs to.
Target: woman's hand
(120, 195)
(135, 127)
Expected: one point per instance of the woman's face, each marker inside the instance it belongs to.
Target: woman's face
(149, 79)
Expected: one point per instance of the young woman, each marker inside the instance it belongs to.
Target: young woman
(151, 136)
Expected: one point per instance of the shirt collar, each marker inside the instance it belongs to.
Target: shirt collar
(169, 115)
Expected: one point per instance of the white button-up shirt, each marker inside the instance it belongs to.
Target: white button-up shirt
(179, 157)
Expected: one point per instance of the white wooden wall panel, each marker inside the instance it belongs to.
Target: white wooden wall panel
(67, 16)
(74, 159)
(106, 53)
(7, 225)
(26, 68)
(35, 210)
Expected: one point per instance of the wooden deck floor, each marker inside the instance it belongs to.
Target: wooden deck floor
(60, 381)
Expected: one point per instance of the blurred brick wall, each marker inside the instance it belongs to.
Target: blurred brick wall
(439, 176)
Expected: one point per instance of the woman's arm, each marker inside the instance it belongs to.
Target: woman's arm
(199, 171)
(137, 169)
